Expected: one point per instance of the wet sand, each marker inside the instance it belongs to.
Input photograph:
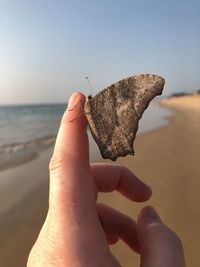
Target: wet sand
(166, 158)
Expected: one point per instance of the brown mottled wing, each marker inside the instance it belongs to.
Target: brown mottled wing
(146, 87)
(114, 113)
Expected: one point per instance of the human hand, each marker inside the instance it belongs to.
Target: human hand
(77, 231)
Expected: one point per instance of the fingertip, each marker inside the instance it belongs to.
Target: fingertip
(148, 216)
(74, 99)
(149, 224)
(160, 246)
(140, 191)
(146, 193)
(72, 137)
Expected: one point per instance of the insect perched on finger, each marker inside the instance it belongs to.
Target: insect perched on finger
(114, 113)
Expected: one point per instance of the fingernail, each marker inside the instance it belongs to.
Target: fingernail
(73, 101)
(151, 215)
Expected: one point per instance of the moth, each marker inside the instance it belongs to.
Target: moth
(114, 113)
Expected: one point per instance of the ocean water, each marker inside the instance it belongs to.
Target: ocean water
(29, 128)
(154, 117)
(23, 124)
(25, 130)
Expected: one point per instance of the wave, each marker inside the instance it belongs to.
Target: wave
(12, 155)
(38, 143)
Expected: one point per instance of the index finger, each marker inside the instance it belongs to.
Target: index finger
(72, 140)
(70, 179)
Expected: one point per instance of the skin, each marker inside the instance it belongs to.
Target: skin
(77, 231)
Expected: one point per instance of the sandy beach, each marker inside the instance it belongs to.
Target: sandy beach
(166, 158)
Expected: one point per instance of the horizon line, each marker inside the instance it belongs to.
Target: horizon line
(33, 104)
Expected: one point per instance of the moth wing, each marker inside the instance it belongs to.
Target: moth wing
(114, 113)
(146, 87)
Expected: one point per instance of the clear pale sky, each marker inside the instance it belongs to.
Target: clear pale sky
(47, 47)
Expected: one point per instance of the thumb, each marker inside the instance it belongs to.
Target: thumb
(159, 245)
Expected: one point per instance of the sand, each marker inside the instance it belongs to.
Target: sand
(23, 206)
(166, 158)
(189, 102)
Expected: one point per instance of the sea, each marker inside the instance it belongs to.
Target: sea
(27, 129)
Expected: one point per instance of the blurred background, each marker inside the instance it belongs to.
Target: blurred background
(46, 50)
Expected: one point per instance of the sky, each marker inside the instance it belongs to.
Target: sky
(47, 47)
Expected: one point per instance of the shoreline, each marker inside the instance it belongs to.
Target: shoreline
(167, 158)
(16, 154)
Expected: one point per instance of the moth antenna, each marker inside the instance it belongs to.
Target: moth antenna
(89, 83)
